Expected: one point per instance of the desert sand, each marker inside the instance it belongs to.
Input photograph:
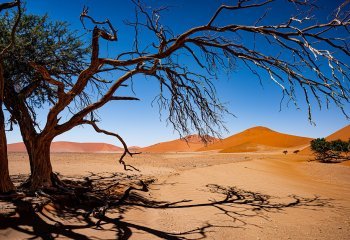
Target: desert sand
(282, 196)
(257, 194)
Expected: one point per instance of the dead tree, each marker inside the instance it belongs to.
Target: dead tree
(5, 182)
(301, 43)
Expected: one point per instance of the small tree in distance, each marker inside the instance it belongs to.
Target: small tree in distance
(330, 152)
(302, 44)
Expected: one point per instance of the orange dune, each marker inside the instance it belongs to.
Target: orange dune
(70, 147)
(192, 144)
(16, 147)
(342, 134)
(134, 148)
(249, 147)
(257, 139)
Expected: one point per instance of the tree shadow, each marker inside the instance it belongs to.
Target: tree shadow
(106, 198)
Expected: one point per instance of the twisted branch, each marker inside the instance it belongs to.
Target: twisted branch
(127, 167)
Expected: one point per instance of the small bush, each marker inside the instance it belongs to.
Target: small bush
(329, 152)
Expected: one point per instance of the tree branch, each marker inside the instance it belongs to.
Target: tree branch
(47, 77)
(124, 98)
(9, 5)
(126, 150)
(14, 28)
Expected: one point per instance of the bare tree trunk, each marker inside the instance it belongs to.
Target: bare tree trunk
(18, 109)
(37, 145)
(6, 184)
(41, 169)
(27, 144)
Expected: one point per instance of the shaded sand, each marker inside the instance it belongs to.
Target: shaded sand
(218, 196)
(257, 139)
(70, 147)
(342, 134)
(188, 144)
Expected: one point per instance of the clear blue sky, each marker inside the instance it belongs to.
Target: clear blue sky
(138, 122)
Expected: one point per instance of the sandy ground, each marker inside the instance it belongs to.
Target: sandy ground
(219, 196)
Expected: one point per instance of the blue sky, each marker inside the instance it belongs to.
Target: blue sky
(139, 122)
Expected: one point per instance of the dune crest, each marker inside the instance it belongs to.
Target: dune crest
(342, 134)
(257, 139)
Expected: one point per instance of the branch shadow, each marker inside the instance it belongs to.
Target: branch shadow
(50, 214)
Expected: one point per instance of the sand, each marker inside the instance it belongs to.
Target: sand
(199, 181)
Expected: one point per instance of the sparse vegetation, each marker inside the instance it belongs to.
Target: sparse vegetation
(330, 151)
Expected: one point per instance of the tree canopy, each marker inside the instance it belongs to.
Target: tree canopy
(44, 42)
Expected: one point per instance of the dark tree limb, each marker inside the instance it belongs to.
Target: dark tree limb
(47, 77)
(118, 98)
(3, 6)
(8, 5)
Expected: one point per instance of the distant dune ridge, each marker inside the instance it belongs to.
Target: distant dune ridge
(71, 147)
(342, 134)
(257, 139)
(192, 144)
(251, 140)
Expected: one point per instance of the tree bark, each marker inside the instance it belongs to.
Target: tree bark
(41, 169)
(6, 184)
(37, 145)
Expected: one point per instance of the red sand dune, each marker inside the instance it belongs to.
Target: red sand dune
(342, 134)
(257, 139)
(134, 149)
(193, 143)
(70, 147)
